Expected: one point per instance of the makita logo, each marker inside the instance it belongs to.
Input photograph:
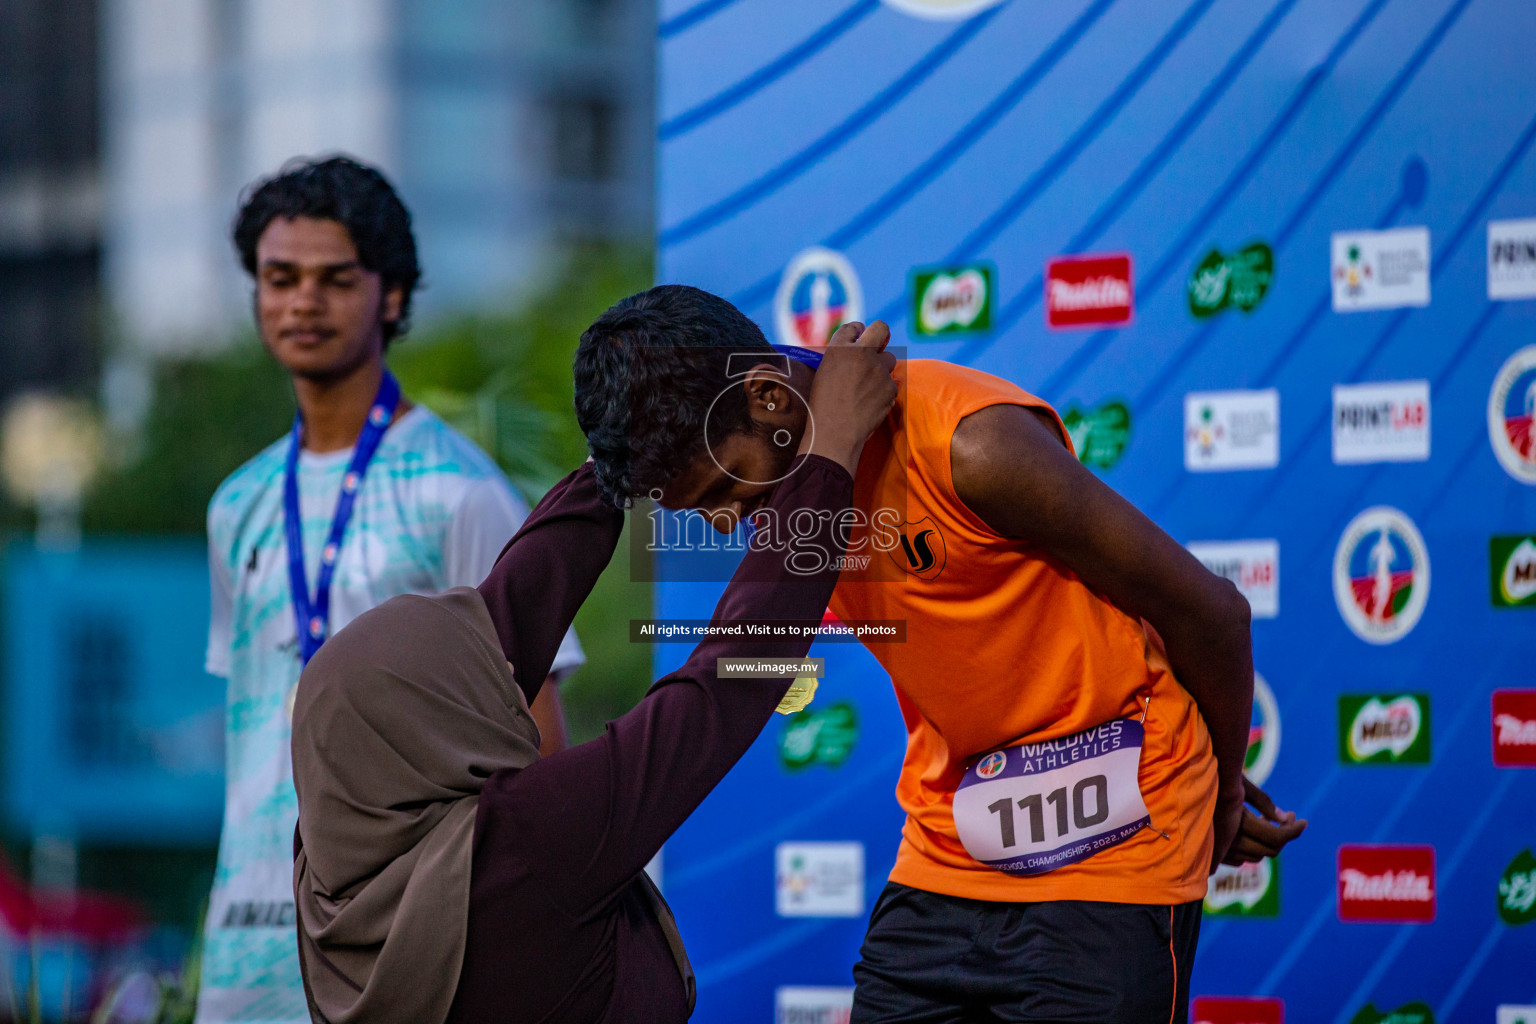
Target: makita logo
(1514, 731)
(1514, 728)
(1095, 293)
(1080, 291)
(1386, 883)
(1394, 886)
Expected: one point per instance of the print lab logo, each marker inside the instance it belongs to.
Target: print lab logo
(820, 879)
(953, 300)
(1226, 430)
(812, 1004)
(1408, 1013)
(1239, 281)
(1514, 728)
(1099, 435)
(1380, 269)
(1086, 291)
(1512, 259)
(1511, 409)
(1386, 883)
(1381, 575)
(921, 552)
(1386, 422)
(1233, 1010)
(818, 294)
(822, 737)
(1253, 566)
(1517, 890)
(1384, 730)
(1512, 571)
(1246, 890)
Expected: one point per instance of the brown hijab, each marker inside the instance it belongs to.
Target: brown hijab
(398, 721)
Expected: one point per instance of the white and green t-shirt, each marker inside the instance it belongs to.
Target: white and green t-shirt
(433, 512)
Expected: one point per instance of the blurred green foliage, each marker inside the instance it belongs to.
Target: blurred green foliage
(504, 380)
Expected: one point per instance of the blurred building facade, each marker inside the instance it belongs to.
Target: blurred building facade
(50, 194)
(128, 129)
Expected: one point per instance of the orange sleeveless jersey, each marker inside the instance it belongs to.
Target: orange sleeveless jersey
(1005, 645)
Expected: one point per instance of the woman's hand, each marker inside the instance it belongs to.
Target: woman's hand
(852, 393)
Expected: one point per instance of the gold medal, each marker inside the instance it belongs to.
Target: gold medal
(801, 692)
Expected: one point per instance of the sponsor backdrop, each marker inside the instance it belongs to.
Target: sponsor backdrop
(1275, 262)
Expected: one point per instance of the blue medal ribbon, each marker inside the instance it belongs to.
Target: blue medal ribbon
(809, 356)
(313, 618)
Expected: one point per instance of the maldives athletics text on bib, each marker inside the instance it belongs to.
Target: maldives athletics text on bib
(1034, 807)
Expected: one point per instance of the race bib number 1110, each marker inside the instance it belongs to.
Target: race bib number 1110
(1032, 808)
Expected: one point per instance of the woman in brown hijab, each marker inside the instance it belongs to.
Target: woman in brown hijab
(443, 872)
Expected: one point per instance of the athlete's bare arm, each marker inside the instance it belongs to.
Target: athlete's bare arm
(1012, 469)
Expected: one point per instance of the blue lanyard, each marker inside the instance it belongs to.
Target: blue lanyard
(313, 618)
(809, 356)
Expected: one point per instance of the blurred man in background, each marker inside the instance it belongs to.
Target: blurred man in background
(369, 497)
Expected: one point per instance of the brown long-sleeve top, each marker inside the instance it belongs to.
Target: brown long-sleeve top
(559, 927)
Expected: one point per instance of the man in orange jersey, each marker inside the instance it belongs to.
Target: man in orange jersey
(1076, 686)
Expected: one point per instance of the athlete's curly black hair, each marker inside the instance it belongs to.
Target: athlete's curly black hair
(649, 372)
(351, 193)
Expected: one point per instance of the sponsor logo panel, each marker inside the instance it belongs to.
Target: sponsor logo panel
(1514, 728)
(1247, 890)
(1380, 269)
(1387, 422)
(953, 300)
(819, 879)
(1511, 410)
(1409, 1013)
(1084, 291)
(1225, 430)
(1512, 259)
(1512, 571)
(1381, 575)
(1392, 729)
(1263, 734)
(1517, 890)
(1099, 435)
(1234, 1010)
(1253, 566)
(1386, 883)
(818, 293)
(942, 10)
(812, 1004)
(1236, 281)
(824, 737)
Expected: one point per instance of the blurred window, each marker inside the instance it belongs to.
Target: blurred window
(584, 137)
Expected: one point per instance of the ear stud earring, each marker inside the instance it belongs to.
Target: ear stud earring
(771, 407)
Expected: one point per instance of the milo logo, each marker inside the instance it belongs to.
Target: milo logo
(1099, 434)
(1408, 1013)
(1517, 890)
(1512, 562)
(1247, 890)
(822, 737)
(1221, 281)
(952, 300)
(1384, 730)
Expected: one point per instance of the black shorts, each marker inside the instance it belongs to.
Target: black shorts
(946, 960)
